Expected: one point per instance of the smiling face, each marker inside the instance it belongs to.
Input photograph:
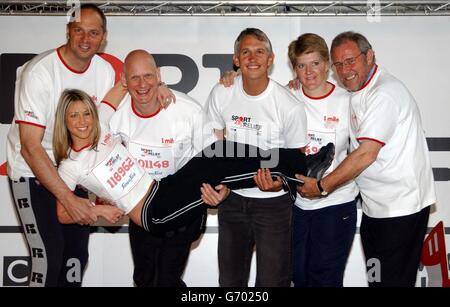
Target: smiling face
(142, 78)
(85, 37)
(312, 71)
(253, 58)
(80, 123)
(353, 76)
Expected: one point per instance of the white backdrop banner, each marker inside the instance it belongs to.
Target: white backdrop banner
(192, 53)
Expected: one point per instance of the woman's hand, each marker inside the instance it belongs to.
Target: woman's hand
(164, 95)
(228, 77)
(110, 213)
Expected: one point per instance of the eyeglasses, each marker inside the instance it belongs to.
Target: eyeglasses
(347, 62)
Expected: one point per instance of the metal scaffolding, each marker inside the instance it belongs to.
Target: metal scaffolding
(236, 8)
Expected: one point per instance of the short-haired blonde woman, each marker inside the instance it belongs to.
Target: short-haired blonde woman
(324, 227)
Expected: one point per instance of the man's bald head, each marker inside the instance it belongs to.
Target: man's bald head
(141, 77)
(138, 56)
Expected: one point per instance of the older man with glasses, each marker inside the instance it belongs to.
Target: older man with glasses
(389, 161)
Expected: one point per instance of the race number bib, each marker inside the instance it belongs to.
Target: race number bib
(157, 161)
(318, 139)
(118, 173)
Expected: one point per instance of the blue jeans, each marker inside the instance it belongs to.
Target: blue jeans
(322, 243)
(246, 222)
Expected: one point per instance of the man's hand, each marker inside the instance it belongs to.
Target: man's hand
(294, 84)
(79, 209)
(165, 96)
(227, 79)
(215, 196)
(264, 181)
(309, 189)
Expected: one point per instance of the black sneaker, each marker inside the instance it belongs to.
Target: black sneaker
(318, 163)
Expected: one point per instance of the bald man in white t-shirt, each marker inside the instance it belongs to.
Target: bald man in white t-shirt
(162, 141)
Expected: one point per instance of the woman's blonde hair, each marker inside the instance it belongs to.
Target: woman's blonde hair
(308, 43)
(62, 140)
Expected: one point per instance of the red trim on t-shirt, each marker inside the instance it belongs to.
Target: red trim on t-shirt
(321, 97)
(82, 148)
(67, 65)
(371, 77)
(3, 169)
(143, 116)
(109, 104)
(370, 139)
(28, 123)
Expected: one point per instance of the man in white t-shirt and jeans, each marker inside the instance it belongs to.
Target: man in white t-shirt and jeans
(389, 161)
(260, 112)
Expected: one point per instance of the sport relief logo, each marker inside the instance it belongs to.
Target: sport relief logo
(153, 159)
(314, 138)
(435, 258)
(240, 120)
(315, 143)
(30, 114)
(146, 152)
(245, 122)
(112, 161)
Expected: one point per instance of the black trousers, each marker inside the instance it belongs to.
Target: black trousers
(175, 201)
(59, 253)
(392, 247)
(160, 260)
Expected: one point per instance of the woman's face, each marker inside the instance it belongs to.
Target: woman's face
(312, 71)
(79, 122)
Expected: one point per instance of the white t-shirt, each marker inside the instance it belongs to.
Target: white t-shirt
(328, 121)
(109, 171)
(165, 141)
(274, 118)
(400, 181)
(39, 85)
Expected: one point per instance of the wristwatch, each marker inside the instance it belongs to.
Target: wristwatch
(321, 190)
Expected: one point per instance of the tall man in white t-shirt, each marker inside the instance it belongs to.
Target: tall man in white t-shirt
(162, 141)
(260, 112)
(390, 163)
(34, 180)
